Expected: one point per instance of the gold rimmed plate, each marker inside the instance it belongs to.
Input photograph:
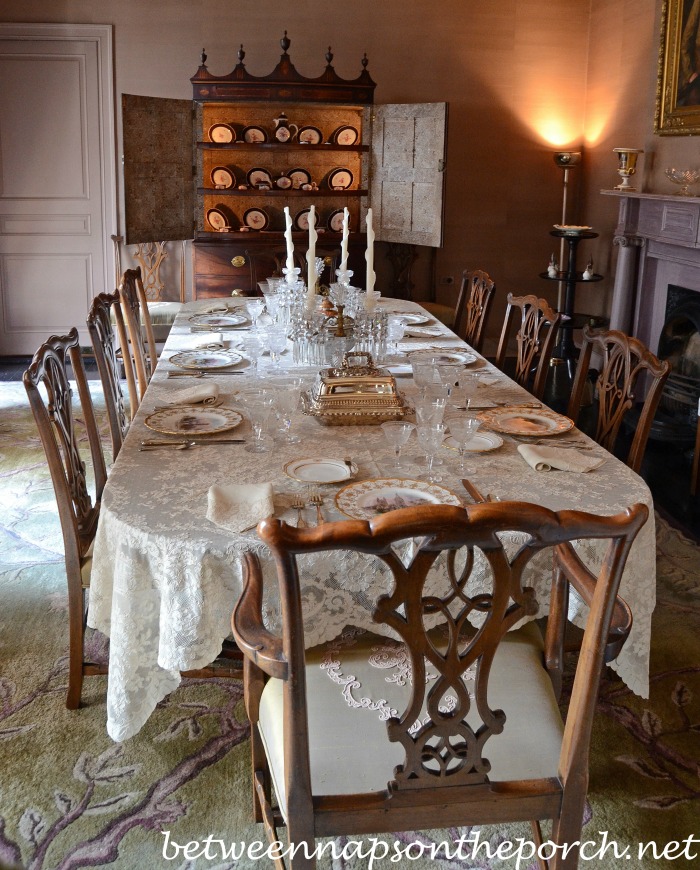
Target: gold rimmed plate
(218, 319)
(193, 420)
(319, 469)
(444, 357)
(369, 498)
(521, 421)
(482, 442)
(206, 359)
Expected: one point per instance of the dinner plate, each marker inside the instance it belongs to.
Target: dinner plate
(220, 218)
(482, 442)
(254, 134)
(319, 469)
(221, 176)
(335, 221)
(521, 421)
(340, 177)
(413, 319)
(258, 176)
(425, 331)
(309, 136)
(256, 219)
(368, 498)
(222, 133)
(218, 319)
(445, 357)
(301, 219)
(193, 420)
(299, 176)
(345, 135)
(206, 359)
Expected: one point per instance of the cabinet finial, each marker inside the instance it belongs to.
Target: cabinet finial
(241, 54)
(203, 57)
(365, 61)
(329, 56)
(285, 42)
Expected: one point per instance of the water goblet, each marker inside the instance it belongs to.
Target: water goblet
(424, 374)
(258, 403)
(464, 393)
(286, 403)
(397, 434)
(463, 430)
(396, 329)
(276, 342)
(430, 438)
(254, 307)
(254, 345)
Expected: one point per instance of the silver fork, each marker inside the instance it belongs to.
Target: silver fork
(316, 499)
(298, 505)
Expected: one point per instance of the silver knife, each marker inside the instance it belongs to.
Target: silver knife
(154, 442)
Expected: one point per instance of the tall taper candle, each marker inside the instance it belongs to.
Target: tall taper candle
(311, 254)
(290, 245)
(344, 243)
(369, 253)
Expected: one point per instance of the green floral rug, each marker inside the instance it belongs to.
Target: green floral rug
(71, 798)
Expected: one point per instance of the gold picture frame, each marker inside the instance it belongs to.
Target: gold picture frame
(678, 87)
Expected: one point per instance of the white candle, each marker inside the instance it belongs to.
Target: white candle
(290, 245)
(369, 253)
(344, 243)
(311, 253)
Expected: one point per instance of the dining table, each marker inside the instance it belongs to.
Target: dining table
(166, 577)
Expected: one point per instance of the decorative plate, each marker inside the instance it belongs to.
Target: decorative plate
(222, 133)
(521, 421)
(256, 218)
(301, 219)
(218, 219)
(258, 176)
(319, 469)
(572, 229)
(218, 319)
(345, 135)
(284, 182)
(445, 357)
(254, 135)
(299, 177)
(482, 442)
(205, 359)
(193, 420)
(340, 178)
(367, 498)
(221, 176)
(309, 136)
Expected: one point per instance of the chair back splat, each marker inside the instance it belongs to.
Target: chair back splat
(535, 339)
(78, 512)
(135, 310)
(473, 307)
(624, 361)
(473, 733)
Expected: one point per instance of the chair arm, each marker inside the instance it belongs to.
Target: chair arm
(583, 581)
(255, 642)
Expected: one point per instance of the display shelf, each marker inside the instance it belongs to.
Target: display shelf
(281, 147)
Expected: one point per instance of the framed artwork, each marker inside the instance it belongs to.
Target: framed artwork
(678, 88)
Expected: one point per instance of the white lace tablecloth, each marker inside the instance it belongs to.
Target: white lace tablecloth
(165, 579)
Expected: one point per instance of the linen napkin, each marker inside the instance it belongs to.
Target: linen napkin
(200, 394)
(218, 308)
(238, 507)
(558, 458)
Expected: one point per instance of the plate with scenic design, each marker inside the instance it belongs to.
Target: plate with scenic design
(206, 359)
(445, 357)
(482, 442)
(218, 319)
(521, 421)
(193, 420)
(319, 469)
(368, 498)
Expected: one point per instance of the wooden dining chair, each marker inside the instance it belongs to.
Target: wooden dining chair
(535, 338)
(468, 317)
(472, 733)
(135, 310)
(623, 362)
(104, 312)
(50, 398)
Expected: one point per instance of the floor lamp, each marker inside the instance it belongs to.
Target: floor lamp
(565, 160)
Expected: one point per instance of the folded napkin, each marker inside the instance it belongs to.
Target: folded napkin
(238, 507)
(212, 345)
(558, 458)
(218, 308)
(400, 369)
(200, 394)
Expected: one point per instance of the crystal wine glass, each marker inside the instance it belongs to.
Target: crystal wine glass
(255, 307)
(430, 438)
(276, 342)
(396, 329)
(254, 345)
(259, 406)
(397, 434)
(286, 403)
(463, 430)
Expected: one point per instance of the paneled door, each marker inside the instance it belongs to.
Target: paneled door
(57, 179)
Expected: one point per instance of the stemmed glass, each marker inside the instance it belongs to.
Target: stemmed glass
(465, 391)
(397, 434)
(395, 332)
(423, 374)
(255, 307)
(253, 345)
(430, 438)
(259, 406)
(286, 403)
(463, 430)
(276, 343)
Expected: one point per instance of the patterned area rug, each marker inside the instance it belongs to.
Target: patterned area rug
(71, 798)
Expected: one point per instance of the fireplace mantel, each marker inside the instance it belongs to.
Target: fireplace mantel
(659, 240)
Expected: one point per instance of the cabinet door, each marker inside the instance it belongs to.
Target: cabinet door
(158, 171)
(407, 172)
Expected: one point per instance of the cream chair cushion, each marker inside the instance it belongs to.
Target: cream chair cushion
(444, 313)
(162, 316)
(350, 751)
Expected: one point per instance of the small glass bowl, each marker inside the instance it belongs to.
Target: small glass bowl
(684, 177)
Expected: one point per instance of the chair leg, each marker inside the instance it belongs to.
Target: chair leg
(76, 650)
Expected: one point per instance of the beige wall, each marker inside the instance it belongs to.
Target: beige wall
(523, 78)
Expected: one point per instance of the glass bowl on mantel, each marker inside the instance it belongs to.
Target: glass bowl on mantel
(684, 177)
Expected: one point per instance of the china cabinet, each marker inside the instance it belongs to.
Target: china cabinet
(263, 143)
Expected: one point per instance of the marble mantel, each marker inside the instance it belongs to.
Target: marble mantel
(659, 240)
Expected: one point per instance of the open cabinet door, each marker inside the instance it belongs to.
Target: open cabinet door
(407, 172)
(158, 169)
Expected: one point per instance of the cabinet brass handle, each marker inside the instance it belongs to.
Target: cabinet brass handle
(238, 261)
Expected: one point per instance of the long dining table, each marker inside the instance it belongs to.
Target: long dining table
(165, 578)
